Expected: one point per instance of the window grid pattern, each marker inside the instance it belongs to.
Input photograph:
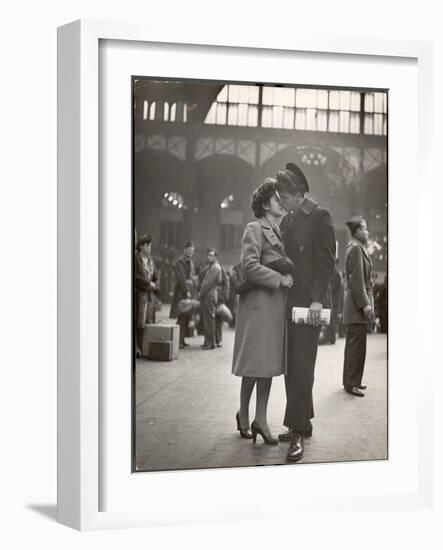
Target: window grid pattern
(235, 105)
(342, 111)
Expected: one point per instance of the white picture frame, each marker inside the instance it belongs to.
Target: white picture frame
(80, 444)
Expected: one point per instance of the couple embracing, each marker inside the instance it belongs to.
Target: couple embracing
(285, 265)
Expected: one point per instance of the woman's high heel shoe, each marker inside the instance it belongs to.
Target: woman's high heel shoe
(268, 439)
(244, 432)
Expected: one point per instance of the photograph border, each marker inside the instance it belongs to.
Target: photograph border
(204, 81)
(78, 388)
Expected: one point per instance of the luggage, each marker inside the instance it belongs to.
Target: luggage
(223, 313)
(190, 331)
(160, 332)
(188, 306)
(161, 351)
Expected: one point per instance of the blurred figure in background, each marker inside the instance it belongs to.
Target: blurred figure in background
(358, 307)
(334, 300)
(341, 325)
(146, 280)
(381, 299)
(211, 279)
(185, 279)
(222, 298)
(232, 303)
(372, 325)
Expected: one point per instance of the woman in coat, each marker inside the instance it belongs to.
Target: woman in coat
(260, 331)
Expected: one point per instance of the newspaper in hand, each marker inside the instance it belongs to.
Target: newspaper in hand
(300, 316)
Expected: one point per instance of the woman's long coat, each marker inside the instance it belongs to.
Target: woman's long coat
(260, 330)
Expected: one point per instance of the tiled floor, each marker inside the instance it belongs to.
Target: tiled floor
(185, 411)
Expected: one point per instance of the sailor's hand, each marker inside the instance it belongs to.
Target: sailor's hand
(314, 313)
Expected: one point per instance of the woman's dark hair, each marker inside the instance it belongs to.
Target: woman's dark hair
(262, 195)
(144, 239)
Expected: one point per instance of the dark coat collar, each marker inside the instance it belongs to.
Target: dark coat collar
(308, 205)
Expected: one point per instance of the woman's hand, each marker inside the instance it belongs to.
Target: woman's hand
(286, 281)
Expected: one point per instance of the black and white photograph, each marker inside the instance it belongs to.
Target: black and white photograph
(260, 274)
(229, 222)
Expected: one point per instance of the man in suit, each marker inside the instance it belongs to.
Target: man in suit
(309, 239)
(358, 307)
(208, 298)
(185, 277)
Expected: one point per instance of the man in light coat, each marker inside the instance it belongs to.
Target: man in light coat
(208, 298)
(358, 305)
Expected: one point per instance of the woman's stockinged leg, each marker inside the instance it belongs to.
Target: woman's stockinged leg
(247, 386)
(263, 391)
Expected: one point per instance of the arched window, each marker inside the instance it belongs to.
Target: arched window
(172, 112)
(152, 111)
(145, 109)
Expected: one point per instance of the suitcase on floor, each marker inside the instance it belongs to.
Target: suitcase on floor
(158, 333)
(160, 351)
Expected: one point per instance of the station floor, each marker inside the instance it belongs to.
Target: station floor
(185, 411)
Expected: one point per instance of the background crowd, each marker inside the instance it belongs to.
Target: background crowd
(167, 279)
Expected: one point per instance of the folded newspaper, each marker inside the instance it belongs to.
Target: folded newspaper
(300, 316)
